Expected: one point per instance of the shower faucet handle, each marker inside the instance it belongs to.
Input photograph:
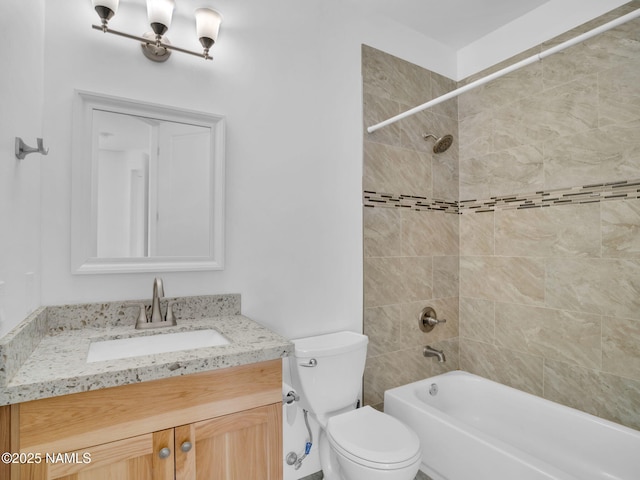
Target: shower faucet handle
(428, 319)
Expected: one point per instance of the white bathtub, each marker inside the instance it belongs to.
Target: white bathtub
(476, 429)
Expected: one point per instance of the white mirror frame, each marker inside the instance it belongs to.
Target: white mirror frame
(83, 230)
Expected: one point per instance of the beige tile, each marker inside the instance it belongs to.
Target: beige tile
(476, 177)
(553, 334)
(415, 366)
(502, 91)
(390, 77)
(445, 170)
(397, 280)
(621, 347)
(377, 377)
(609, 396)
(477, 319)
(619, 93)
(412, 336)
(446, 276)
(476, 135)
(377, 71)
(446, 309)
(622, 43)
(621, 228)
(505, 279)
(515, 369)
(568, 230)
(389, 169)
(511, 171)
(600, 286)
(556, 112)
(375, 110)
(417, 281)
(383, 326)
(611, 48)
(439, 86)
(429, 233)
(383, 281)
(393, 370)
(381, 234)
(606, 154)
(583, 59)
(476, 233)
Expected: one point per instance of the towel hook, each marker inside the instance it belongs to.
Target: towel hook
(22, 149)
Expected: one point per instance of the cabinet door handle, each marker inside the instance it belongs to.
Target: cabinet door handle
(164, 453)
(186, 446)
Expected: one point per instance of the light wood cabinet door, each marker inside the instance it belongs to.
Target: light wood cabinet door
(240, 446)
(230, 429)
(134, 458)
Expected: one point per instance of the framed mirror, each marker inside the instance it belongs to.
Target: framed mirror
(147, 187)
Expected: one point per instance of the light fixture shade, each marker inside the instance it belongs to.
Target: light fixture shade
(159, 13)
(105, 8)
(110, 4)
(207, 26)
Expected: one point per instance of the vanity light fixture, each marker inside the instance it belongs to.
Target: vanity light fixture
(155, 45)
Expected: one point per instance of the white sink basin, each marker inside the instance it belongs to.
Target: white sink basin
(150, 344)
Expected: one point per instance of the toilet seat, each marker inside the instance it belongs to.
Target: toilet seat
(373, 439)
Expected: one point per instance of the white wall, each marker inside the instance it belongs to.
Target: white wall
(287, 76)
(21, 97)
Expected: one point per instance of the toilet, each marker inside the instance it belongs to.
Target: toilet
(355, 443)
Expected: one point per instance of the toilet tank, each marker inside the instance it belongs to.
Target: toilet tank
(327, 370)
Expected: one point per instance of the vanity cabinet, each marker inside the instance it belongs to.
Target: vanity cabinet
(220, 425)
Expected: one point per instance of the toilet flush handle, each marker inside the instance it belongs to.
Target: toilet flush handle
(311, 363)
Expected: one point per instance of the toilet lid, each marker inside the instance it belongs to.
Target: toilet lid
(373, 436)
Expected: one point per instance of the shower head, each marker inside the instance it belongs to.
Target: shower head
(442, 143)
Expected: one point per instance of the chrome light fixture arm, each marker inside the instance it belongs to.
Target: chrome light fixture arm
(155, 42)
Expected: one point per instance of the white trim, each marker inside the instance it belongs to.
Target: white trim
(83, 226)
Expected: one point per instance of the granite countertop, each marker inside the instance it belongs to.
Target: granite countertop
(45, 356)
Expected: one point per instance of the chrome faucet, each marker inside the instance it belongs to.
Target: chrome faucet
(432, 352)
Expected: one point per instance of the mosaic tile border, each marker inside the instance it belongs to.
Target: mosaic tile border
(599, 192)
(412, 202)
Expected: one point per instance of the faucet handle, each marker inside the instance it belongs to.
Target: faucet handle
(434, 321)
(428, 319)
(142, 319)
(170, 316)
(142, 316)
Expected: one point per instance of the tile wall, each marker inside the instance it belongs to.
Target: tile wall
(525, 235)
(550, 290)
(411, 252)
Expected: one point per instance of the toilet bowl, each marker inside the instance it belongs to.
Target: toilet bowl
(370, 444)
(354, 444)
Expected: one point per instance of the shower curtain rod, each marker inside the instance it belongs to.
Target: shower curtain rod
(516, 66)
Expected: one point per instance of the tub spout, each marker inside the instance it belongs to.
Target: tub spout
(432, 352)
